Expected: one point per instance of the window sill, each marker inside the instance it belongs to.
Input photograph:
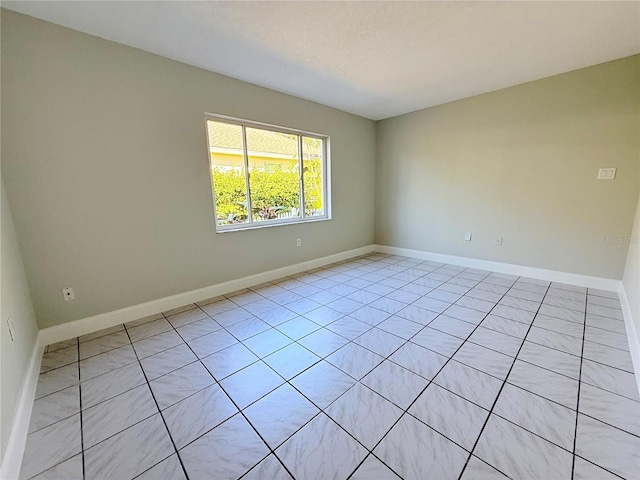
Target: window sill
(267, 224)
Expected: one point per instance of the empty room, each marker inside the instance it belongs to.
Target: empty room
(320, 240)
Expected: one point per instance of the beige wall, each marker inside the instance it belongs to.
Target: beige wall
(631, 278)
(15, 303)
(105, 161)
(520, 163)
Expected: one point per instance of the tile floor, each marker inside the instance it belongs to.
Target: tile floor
(376, 368)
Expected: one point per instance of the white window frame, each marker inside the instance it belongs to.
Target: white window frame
(326, 172)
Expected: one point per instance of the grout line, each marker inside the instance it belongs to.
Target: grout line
(575, 432)
(81, 411)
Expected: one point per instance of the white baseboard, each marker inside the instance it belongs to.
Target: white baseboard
(632, 333)
(12, 460)
(84, 326)
(520, 270)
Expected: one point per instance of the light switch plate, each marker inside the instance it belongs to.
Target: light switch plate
(606, 174)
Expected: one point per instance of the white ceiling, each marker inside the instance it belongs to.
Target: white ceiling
(375, 59)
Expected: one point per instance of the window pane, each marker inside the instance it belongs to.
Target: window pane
(227, 171)
(274, 179)
(312, 164)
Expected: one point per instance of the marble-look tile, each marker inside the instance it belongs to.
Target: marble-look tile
(432, 304)
(483, 359)
(304, 305)
(605, 337)
(59, 358)
(483, 306)
(489, 287)
(610, 408)
(561, 293)
(402, 296)
(101, 333)
(603, 301)
(562, 313)
(603, 293)
(321, 446)
(443, 295)
(395, 383)
(277, 316)
(476, 469)
(365, 297)
(195, 415)
(322, 383)
(211, 343)
(497, 341)
(156, 344)
(520, 303)
(148, 329)
(538, 415)
(400, 327)
(285, 298)
(610, 356)
(143, 320)
(567, 287)
(344, 305)
(380, 342)
(322, 342)
(244, 297)
(551, 359)
(298, 328)
(180, 383)
(453, 416)
(323, 315)
(130, 452)
(267, 342)
(520, 454)
(373, 469)
(452, 326)
(342, 290)
(543, 382)
(190, 316)
(609, 378)
(50, 446)
(291, 360)
(603, 311)
(511, 313)
(103, 344)
(355, 360)
(106, 362)
(55, 407)
(63, 344)
(417, 314)
(506, 326)
(516, 292)
(271, 468)
(577, 305)
(369, 315)
(116, 414)
(229, 360)
(231, 317)
(364, 414)
(273, 422)
(415, 451)
(251, 383)
(56, 380)
(469, 383)
(583, 470)
(260, 306)
(226, 452)
(608, 447)
(419, 360)
(465, 314)
(388, 305)
(248, 328)
(183, 308)
(608, 324)
(168, 469)
(70, 469)
(197, 329)
(349, 328)
(104, 387)
(167, 361)
(437, 341)
(324, 297)
(557, 341)
(559, 326)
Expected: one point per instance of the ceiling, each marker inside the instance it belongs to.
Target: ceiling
(374, 59)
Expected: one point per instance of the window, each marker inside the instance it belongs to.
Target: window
(264, 175)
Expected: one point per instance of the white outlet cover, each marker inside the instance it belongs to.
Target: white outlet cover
(467, 237)
(606, 174)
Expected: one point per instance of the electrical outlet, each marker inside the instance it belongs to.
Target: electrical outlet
(68, 294)
(467, 237)
(298, 242)
(12, 334)
(499, 241)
